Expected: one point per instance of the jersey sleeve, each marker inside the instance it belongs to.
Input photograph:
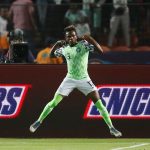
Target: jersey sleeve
(59, 52)
(88, 46)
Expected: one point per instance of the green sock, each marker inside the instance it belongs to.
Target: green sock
(50, 106)
(102, 109)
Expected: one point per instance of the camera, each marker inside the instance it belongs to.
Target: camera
(18, 50)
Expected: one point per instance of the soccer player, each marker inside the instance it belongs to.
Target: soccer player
(76, 51)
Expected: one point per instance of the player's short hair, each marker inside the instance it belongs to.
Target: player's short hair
(70, 28)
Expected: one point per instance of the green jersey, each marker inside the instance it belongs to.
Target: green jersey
(77, 59)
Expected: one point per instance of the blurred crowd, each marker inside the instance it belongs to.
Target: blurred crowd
(35, 25)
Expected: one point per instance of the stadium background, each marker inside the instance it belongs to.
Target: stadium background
(54, 24)
(66, 121)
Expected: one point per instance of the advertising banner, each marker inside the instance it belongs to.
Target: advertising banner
(122, 101)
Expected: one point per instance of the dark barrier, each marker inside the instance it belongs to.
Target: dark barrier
(132, 57)
(41, 82)
(123, 57)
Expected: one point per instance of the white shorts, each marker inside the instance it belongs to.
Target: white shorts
(86, 86)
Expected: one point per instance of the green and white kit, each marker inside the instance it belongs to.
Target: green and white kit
(77, 64)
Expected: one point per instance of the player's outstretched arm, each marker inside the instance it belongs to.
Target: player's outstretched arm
(94, 42)
(57, 45)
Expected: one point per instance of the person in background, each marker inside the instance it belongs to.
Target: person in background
(86, 6)
(4, 43)
(119, 16)
(93, 10)
(43, 55)
(77, 17)
(3, 20)
(21, 13)
(55, 17)
(42, 6)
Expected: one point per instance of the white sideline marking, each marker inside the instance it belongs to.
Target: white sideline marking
(130, 147)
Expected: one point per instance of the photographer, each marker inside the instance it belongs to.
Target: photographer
(18, 49)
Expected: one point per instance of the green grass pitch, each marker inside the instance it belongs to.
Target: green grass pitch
(73, 144)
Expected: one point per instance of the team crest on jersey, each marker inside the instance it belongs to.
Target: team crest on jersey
(11, 99)
(78, 49)
(122, 101)
(68, 56)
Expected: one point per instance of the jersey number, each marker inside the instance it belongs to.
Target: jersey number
(91, 83)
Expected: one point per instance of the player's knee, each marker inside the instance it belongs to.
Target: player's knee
(52, 104)
(101, 105)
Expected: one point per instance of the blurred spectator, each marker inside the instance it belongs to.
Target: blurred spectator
(3, 21)
(79, 19)
(43, 56)
(119, 16)
(22, 14)
(57, 2)
(86, 6)
(54, 18)
(18, 51)
(93, 10)
(42, 6)
(82, 29)
(4, 45)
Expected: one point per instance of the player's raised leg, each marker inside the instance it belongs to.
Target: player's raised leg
(103, 111)
(47, 109)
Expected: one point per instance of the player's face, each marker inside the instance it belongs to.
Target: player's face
(71, 37)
